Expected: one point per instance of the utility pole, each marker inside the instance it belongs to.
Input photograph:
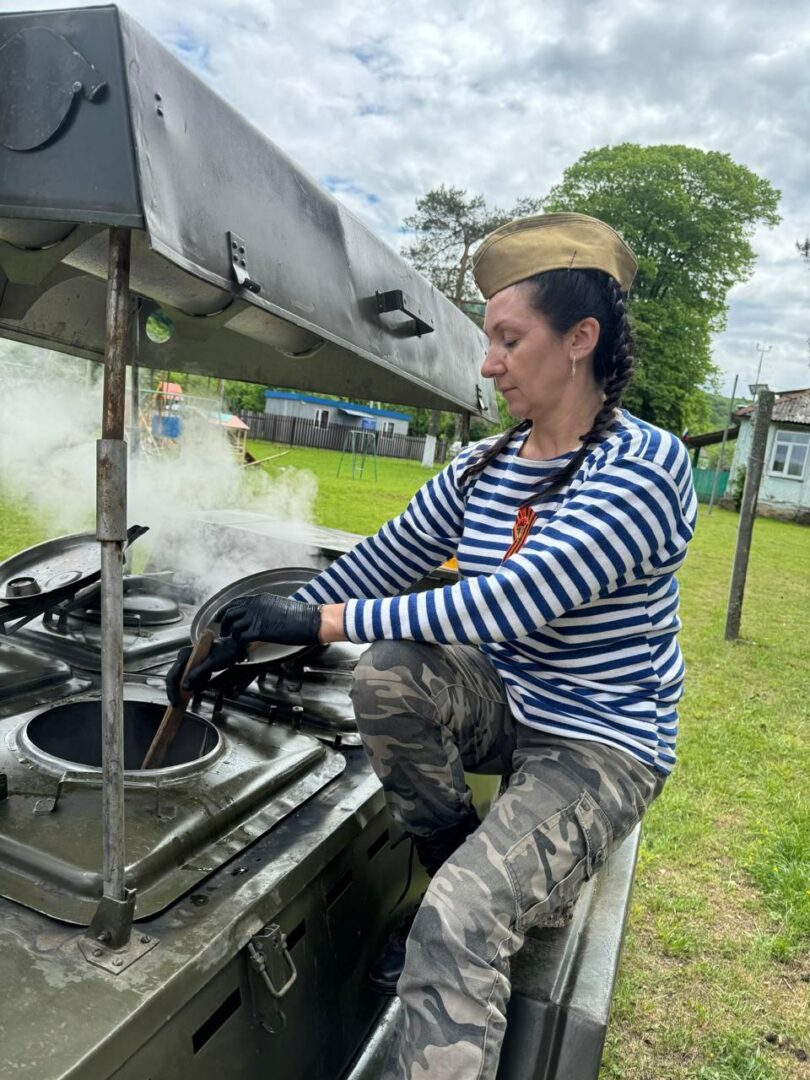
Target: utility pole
(761, 349)
(753, 475)
(719, 464)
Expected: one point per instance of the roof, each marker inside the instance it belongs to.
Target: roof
(709, 438)
(300, 294)
(790, 407)
(170, 388)
(228, 420)
(351, 407)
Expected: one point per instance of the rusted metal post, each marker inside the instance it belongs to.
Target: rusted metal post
(753, 475)
(111, 528)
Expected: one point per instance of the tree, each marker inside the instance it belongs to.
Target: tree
(244, 397)
(447, 226)
(689, 216)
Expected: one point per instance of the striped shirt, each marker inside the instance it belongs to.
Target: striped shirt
(581, 621)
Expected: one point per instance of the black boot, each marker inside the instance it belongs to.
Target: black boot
(433, 851)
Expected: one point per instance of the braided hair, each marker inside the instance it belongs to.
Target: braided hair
(565, 297)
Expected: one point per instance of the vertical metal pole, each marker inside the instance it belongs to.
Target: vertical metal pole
(723, 443)
(134, 386)
(756, 461)
(111, 504)
(464, 433)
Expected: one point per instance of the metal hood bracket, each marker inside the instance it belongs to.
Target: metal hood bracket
(311, 308)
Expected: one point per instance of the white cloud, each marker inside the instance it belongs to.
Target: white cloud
(382, 101)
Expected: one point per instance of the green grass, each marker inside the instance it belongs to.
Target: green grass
(714, 979)
(358, 505)
(18, 528)
(716, 954)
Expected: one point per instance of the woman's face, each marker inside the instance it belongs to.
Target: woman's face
(530, 363)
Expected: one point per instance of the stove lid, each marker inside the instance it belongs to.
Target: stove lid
(233, 783)
(140, 609)
(23, 672)
(258, 273)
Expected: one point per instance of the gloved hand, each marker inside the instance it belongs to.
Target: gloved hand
(224, 654)
(267, 617)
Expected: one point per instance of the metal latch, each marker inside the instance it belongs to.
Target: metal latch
(396, 300)
(272, 939)
(238, 254)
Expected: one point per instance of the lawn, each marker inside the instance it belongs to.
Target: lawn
(358, 505)
(716, 972)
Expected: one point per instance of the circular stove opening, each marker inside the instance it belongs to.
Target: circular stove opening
(72, 733)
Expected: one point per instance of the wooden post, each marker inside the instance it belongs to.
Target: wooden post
(753, 475)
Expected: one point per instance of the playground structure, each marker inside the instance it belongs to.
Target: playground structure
(165, 411)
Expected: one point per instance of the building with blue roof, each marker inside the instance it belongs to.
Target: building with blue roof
(328, 412)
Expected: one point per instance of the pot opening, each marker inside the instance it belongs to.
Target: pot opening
(72, 732)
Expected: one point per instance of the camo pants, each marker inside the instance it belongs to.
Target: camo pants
(426, 714)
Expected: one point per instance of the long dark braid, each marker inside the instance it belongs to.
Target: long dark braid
(565, 297)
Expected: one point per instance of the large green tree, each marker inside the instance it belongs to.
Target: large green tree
(689, 215)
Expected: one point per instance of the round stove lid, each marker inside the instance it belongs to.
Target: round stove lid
(56, 568)
(283, 582)
(147, 609)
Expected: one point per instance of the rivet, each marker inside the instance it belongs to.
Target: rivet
(117, 962)
(98, 952)
(103, 937)
(145, 939)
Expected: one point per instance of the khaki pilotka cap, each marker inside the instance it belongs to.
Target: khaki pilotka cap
(532, 245)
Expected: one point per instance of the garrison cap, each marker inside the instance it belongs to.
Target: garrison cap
(532, 245)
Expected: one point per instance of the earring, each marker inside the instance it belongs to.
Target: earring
(573, 365)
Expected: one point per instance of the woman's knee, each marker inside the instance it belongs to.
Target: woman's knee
(390, 679)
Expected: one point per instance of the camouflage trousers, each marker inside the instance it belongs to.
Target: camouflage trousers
(428, 713)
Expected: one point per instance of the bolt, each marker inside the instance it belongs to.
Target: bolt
(145, 939)
(98, 952)
(117, 962)
(104, 937)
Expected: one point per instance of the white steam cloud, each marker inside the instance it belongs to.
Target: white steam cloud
(51, 412)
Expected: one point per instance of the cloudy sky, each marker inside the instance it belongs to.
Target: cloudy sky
(380, 101)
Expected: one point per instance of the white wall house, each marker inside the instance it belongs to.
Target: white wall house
(785, 488)
(327, 412)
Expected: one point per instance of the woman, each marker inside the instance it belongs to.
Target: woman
(554, 659)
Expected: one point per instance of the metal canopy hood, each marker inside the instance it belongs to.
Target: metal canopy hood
(265, 276)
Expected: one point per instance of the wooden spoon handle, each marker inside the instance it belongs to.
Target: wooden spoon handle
(174, 714)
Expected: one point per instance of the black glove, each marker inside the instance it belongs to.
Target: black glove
(267, 617)
(224, 654)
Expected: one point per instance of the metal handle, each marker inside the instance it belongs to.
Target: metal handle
(272, 935)
(396, 300)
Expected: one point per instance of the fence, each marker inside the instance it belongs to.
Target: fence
(704, 478)
(297, 431)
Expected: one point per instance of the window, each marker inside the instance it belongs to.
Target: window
(388, 427)
(321, 418)
(790, 450)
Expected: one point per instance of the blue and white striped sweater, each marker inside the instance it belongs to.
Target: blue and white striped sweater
(581, 622)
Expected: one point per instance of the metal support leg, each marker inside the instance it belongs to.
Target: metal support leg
(112, 923)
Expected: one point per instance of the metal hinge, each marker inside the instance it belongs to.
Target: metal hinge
(238, 254)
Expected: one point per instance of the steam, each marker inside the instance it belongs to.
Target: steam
(211, 520)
